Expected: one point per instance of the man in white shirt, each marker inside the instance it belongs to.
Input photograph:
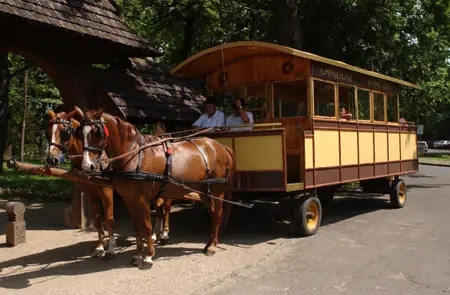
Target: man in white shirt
(240, 116)
(212, 116)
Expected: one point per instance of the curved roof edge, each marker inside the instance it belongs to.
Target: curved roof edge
(293, 52)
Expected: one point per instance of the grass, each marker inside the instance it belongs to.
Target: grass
(444, 157)
(16, 184)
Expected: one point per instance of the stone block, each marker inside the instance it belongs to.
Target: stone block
(15, 226)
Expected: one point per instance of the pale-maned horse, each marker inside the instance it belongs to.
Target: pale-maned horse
(61, 140)
(192, 161)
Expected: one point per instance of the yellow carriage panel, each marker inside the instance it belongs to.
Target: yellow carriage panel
(349, 148)
(394, 146)
(409, 146)
(309, 159)
(326, 148)
(259, 153)
(381, 147)
(228, 141)
(366, 147)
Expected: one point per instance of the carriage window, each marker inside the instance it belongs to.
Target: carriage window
(378, 107)
(363, 105)
(324, 103)
(347, 100)
(290, 99)
(257, 101)
(392, 108)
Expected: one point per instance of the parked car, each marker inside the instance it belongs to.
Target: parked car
(422, 146)
(441, 144)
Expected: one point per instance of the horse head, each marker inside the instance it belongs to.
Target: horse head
(59, 133)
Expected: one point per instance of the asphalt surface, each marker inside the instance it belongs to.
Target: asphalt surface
(438, 151)
(364, 248)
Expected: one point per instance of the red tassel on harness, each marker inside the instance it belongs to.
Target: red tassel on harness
(169, 151)
(106, 131)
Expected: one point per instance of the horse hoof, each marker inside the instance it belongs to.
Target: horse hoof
(164, 242)
(109, 256)
(98, 253)
(146, 265)
(136, 262)
(210, 253)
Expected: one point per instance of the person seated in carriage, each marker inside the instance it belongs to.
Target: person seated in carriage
(344, 114)
(240, 115)
(212, 116)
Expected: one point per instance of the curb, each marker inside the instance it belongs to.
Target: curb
(435, 164)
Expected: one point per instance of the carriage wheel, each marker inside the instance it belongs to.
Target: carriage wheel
(307, 216)
(398, 193)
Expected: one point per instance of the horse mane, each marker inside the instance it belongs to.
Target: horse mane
(126, 130)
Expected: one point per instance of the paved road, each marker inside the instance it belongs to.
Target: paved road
(365, 250)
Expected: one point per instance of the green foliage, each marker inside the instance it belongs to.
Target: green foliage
(407, 39)
(15, 184)
(42, 95)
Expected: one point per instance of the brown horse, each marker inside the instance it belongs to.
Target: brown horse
(191, 161)
(60, 133)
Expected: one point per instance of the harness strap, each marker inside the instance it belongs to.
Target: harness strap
(204, 157)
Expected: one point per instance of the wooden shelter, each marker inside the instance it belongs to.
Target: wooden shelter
(67, 37)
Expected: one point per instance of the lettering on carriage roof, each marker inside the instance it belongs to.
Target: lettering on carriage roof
(341, 75)
(336, 75)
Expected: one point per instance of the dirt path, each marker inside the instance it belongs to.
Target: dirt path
(55, 260)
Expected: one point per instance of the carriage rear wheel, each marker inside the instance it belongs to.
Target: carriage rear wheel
(307, 216)
(398, 193)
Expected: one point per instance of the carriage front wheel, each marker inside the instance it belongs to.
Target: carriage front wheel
(398, 193)
(307, 215)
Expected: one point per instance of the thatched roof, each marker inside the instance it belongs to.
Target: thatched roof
(143, 90)
(97, 18)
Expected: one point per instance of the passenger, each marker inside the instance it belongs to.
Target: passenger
(212, 116)
(240, 116)
(344, 114)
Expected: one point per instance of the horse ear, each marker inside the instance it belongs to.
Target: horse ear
(74, 122)
(51, 114)
(79, 111)
(71, 114)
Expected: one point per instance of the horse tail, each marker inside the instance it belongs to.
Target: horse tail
(230, 188)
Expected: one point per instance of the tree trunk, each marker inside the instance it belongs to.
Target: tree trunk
(25, 114)
(287, 23)
(4, 105)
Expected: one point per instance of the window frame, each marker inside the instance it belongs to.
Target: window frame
(370, 120)
(384, 107)
(355, 91)
(313, 101)
(272, 92)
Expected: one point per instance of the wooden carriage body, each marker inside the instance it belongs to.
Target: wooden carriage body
(298, 141)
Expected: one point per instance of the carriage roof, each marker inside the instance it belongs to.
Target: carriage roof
(209, 60)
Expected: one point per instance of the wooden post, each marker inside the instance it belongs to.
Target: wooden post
(15, 227)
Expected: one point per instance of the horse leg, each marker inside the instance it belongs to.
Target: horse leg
(99, 250)
(217, 214)
(147, 262)
(158, 222)
(107, 201)
(165, 235)
(133, 206)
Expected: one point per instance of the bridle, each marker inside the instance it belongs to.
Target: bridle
(102, 132)
(68, 128)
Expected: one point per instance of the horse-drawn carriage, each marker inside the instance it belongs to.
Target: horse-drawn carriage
(319, 124)
(303, 151)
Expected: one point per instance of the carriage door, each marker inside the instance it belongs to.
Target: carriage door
(290, 108)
